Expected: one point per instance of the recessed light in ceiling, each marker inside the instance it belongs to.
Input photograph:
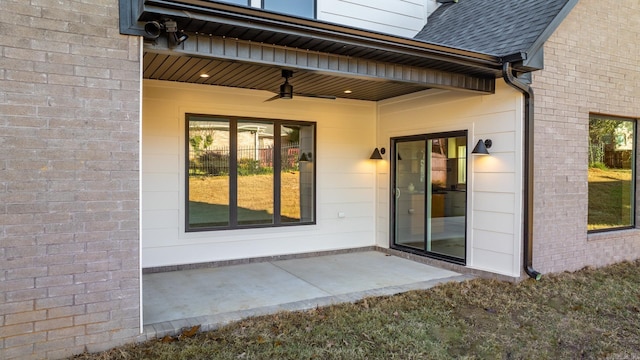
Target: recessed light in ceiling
(348, 91)
(204, 75)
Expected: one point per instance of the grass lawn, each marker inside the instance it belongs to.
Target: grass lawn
(609, 198)
(255, 192)
(589, 314)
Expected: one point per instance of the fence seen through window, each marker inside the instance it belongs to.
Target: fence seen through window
(612, 149)
(248, 172)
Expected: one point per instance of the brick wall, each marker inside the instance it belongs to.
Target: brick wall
(69, 134)
(591, 65)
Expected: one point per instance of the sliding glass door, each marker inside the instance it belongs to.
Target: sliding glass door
(429, 192)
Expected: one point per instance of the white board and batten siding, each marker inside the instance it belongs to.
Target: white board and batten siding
(396, 17)
(494, 207)
(345, 175)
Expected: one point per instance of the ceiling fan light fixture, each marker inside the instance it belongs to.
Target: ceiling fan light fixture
(286, 90)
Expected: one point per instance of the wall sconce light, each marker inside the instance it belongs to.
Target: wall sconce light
(481, 147)
(154, 28)
(305, 157)
(377, 154)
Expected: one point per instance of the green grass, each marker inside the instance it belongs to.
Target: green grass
(589, 314)
(609, 198)
(209, 196)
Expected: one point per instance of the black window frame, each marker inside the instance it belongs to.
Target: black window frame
(634, 179)
(233, 175)
(315, 10)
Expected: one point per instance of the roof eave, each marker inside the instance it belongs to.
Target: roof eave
(186, 11)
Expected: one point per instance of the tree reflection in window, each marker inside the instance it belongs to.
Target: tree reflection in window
(231, 182)
(612, 151)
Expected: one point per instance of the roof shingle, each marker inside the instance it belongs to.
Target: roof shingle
(494, 27)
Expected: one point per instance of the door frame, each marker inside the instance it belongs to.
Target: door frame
(392, 195)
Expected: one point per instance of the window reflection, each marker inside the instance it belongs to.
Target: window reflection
(208, 158)
(255, 172)
(612, 151)
(249, 172)
(302, 8)
(237, 2)
(297, 173)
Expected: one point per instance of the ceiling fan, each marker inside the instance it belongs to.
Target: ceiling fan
(286, 90)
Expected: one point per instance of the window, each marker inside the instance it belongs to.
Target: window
(245, 172)
(237, 2)
(462, 163)
(612, 149)
(302, 8)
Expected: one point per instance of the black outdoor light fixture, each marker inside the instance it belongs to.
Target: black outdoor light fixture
(286, 90)
(377, 154)
(179, 37)
(154, 29)
(305, 157)
(481, 147)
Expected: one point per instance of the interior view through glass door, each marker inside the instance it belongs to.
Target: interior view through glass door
(429, 188)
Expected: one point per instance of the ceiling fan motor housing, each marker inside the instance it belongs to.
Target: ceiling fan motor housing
(286, 90)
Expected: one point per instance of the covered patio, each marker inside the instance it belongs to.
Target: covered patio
(352, 91)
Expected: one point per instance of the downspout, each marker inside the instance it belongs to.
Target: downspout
(527, 91)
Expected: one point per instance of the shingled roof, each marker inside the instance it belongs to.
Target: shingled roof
(495, 27)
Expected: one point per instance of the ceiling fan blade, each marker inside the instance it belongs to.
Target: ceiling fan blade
(275, 97)
(286, 90)
(329, 97)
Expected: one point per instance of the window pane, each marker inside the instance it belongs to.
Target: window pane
(296, 169)
(448, 206)
(237, 2)
(255, 173)
(462, 164)
(303, 8)
(611, 172)
(208, 173)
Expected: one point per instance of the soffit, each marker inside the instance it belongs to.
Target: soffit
(251, 65)
(258, 77)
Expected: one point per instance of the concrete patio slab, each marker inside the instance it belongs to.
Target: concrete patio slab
(211, 297)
